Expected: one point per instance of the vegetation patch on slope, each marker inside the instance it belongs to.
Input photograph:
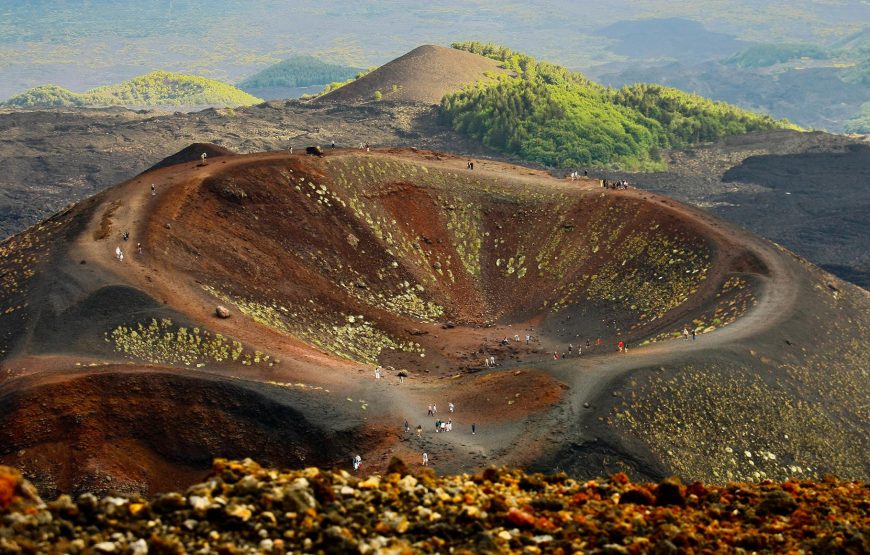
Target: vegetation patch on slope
(548, 114)
(158, 88)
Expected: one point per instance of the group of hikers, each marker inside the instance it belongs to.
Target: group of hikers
(574, 175)
(440, 426)
(379, 373)
(119, 252)
(618, 184)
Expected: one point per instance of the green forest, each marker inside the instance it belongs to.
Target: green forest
(548, 114)
(158, 88)
(298, 71)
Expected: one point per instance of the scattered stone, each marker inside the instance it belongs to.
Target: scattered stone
(16, 493)
(638, 497)
(670, 492)
(777, 503)
(139, 547)
(397, 466)
(222, 312)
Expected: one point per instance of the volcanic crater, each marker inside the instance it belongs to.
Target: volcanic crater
(331, 265)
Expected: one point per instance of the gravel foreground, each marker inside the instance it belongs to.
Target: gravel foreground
(244, 508)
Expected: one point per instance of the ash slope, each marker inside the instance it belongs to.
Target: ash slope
(424, 74)
(406, 258)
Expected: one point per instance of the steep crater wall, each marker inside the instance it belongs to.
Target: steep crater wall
(353, 245)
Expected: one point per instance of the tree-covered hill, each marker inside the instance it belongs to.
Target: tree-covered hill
(298, 71)
(548, 114)
(158, 88)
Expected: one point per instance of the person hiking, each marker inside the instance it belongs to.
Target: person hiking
(419, 430)
(693, 335)
(473, 428)
(430, 413)
(407, 427)
(685, 333)
(450, 407)
(153, 189)
(425, 459)
(621, 345)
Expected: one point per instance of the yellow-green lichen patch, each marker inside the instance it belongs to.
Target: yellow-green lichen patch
(751, 430)
(648, 272)
(407, 303)
(464, 223)
(344, 335)
(161, 342)
(734, 299)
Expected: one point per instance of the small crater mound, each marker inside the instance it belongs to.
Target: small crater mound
(147, 431)
(192, 153)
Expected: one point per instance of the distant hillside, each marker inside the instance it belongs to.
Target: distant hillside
(424, 74)
(158, 88)
(813, 87)
(673, 38)
(861, 122)
(765, 55)
(556, 117)
(299, 76)
(297, 71)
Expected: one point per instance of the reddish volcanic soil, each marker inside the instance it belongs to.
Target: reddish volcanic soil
(118, 375)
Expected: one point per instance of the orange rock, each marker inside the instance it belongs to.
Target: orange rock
(9, 478)
(520, 518)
